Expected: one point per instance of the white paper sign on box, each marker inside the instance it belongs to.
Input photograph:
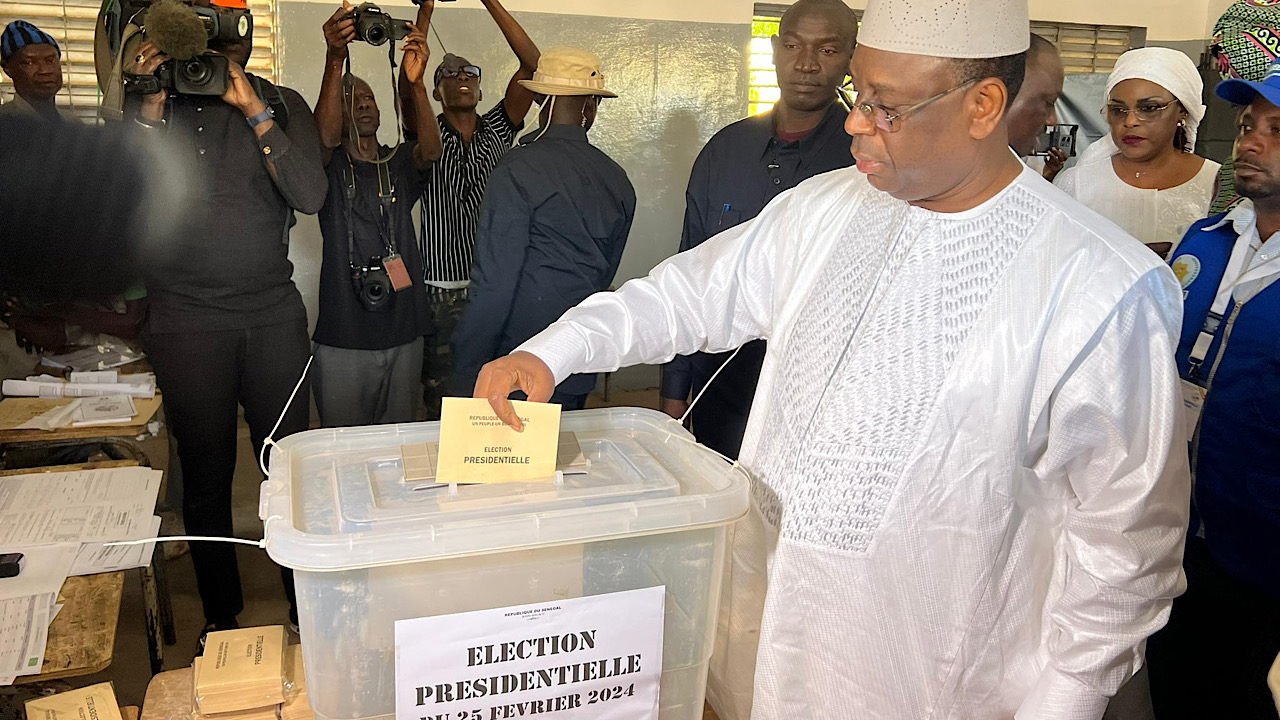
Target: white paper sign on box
(596, 658)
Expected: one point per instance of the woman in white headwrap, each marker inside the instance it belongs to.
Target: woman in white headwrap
(1143, 175)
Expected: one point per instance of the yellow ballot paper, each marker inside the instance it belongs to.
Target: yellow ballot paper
(96, 702)
(476, 447)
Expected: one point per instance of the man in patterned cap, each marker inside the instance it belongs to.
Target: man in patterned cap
(33, 61)
(970, 487)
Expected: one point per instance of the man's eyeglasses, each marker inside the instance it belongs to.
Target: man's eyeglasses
(890, 122)
(471, 71)
(1146, 112)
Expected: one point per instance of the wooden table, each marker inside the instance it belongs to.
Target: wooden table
(16, 410)
(77, 623)
(82, 638)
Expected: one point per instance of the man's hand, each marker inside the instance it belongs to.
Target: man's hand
(416, 54)
(674, 408)
(145, 62)
(1053, 163)
(340, 31)
(240, 92)
(517, 371)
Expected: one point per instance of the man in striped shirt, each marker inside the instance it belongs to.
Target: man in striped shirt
(472, 145)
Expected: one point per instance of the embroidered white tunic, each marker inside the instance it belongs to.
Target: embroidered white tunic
(969, 474)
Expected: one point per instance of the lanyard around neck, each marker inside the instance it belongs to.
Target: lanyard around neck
(1235, 275)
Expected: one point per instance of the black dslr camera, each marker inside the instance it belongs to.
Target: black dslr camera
(373, 285)
(376, 27)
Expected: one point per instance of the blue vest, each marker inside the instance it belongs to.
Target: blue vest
(1237, 490)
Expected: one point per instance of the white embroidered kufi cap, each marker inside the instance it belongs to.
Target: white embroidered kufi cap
(947, 28)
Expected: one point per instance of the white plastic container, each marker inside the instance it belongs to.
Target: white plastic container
(369, 549)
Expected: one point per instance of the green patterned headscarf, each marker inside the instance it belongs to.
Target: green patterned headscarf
(1246, 39)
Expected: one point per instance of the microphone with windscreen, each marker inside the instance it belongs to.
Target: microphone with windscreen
(183, 32)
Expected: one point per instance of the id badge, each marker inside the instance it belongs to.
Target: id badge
(1193, 404)
(396, 271)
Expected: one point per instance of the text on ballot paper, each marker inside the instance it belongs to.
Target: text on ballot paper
(477, 447)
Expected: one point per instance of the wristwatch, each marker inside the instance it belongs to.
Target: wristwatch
(256, 120)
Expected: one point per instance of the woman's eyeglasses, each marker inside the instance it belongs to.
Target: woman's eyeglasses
(1146, 112)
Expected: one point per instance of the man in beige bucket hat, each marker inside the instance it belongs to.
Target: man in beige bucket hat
(552, 227)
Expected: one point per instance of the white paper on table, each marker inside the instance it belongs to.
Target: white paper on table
(94, 376)
(84, 506)
(97, 558)
(45, 568)
(606, 664)
(28, 388)
(24, 631)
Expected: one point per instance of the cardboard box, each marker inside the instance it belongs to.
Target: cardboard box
(241, 670)
(96, 702)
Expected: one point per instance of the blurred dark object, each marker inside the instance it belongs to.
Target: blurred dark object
(72, 214)
(55, 326)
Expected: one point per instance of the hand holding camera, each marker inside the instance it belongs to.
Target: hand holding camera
(240, 93)
(145, 63)
(416, 55)
(339, 31)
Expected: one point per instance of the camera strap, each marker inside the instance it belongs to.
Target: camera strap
(386, 200)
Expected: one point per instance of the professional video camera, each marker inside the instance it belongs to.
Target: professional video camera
(377, 27)
(183, 32)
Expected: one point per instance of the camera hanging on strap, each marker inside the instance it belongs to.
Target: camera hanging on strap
(378, 278)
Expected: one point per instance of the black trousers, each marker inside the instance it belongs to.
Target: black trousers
(1211, 660)
(719, 420)
(204, 376)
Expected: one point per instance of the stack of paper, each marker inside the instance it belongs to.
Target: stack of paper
(59, 522)
(96, 702)
(86, 412)
(242, 671)
(83, 385)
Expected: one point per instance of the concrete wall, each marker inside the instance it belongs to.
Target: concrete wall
(680, 67)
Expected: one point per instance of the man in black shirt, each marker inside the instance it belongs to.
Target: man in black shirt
(373, 303)
(740, 170)
(552, 227)
(226, 325)
(471, 146)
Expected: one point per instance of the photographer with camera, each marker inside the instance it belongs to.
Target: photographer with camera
(226, 324)
(373, 303)
(471, 146)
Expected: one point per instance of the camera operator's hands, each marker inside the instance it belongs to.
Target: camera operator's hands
(240, 92)
(416, 54)
(145, 62)
(339, 31)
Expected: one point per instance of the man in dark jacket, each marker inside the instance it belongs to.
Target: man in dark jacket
(740, 170)
(552, 228)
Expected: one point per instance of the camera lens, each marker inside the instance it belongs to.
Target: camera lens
(375, 291)
(376, 35)
(197, 72)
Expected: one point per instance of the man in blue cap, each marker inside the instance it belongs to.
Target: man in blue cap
(32, 60)
(1212, 658)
